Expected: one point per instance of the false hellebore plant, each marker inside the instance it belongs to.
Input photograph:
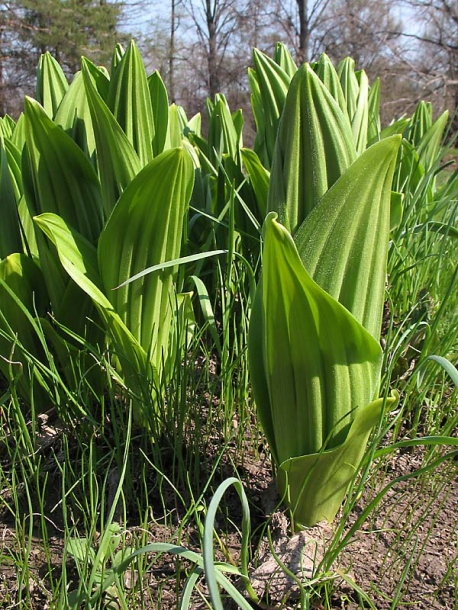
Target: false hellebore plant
(314, 349)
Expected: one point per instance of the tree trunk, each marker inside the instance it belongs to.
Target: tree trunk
(212, 54)
(172, 52)
(304, 31)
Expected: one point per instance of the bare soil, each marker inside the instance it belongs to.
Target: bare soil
(403, 555)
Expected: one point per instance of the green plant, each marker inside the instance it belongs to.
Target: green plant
(314, 354)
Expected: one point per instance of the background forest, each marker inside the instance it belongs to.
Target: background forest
(202, 47)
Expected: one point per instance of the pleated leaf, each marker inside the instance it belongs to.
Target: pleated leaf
(324, 68)
(51, 84)
(10, 233)
(118, 162)
(312, 364)
(360, 118)
(259, 178)
(349, 83)
(272, 83)
(428, 148)
(146, 229)
(420, 122)
(223, 137)
(327, 474)
(79, 259)
(343, 242)
(259, 146)
(63, 180)
(129, 101)
(74, 116)
(160, 107)
(176, 124)
(18, 137)
(283, 58)
(7, 126)
(22, 296)
(374, 125)
(314, 148)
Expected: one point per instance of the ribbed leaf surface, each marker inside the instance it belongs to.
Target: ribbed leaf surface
(51, 84)
(74, 116)
(130, 102)
(63, 180)
(329, 473)
(79, 259)
(160, 107)
(146, 229)
(271, 83)
(314, 147)
(118, 162)
(308, 355)
(343, 242)
(10, 235)
(22, 276)
(324, 68)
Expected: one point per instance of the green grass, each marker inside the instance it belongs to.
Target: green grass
(101, 511)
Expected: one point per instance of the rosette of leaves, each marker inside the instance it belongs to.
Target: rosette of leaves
(314, 349)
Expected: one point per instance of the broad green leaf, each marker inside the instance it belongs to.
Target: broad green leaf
(14, 160)
(176, 125)
(272, 84)
(118, 162)
(63, 180)
(260, 145)
(79, 259)
(395, 128)
(396, 209)
(314, 148)
(7, 126)
(343, 242)
(195, 125)
(317, 483)
(10, 234)
(312, 364)
(360, 118)
(160, 106)
(99, 77)
(259, 178)
(129, 101)
(117, 56)
(409, 171)
(374, 126)
(283, 58)
(324, 68)
(59, 178)
(22, 297)
(51, 84)
(350, 85)
(18, 137)
(420, 122)
(238, 121)
(28, 229)
(146, 229)
(223, 137)
(75, 118)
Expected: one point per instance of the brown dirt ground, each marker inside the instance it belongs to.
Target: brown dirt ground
(403, 555)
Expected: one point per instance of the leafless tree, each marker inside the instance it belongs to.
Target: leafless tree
(436, 56)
